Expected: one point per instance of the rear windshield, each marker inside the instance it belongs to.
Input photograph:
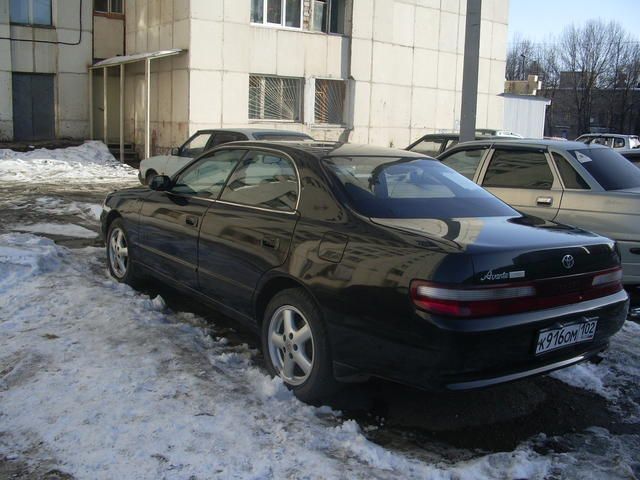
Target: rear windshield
(610, 169)
(386, 187)
(274, 137)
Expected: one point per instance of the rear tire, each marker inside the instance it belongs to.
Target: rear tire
(119, 258)
(296, 346)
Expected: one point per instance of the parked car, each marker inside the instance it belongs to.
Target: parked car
(589, 186)
(354, 261)
(434, 144)
(611, 140)
(204, 140)
(633, 155)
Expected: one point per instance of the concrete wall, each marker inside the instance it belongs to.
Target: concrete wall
(402, 59)
(68, 62)
(108, 37)
(525, 114)
(153, 25)
(407, 62)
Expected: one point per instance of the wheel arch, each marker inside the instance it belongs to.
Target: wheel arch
(111, 216)
(272, 286)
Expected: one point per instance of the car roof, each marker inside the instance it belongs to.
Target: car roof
(330, 149)
(528, 142)
(615, 135)
(251, 131)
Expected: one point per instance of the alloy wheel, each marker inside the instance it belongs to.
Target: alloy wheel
(118, 253)
(291, 345)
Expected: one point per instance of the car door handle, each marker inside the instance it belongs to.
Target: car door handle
(544, 200)
(270, 242)
(191, 221)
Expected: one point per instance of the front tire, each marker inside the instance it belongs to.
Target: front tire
(151, 174)
(118, 254)
(296, 347)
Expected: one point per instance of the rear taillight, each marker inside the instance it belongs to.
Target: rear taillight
(469, 302)
(474, 302)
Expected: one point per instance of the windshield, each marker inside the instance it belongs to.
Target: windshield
(610, 169)
(282, 136)
(388, 187)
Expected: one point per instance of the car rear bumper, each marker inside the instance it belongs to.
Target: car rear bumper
(445, 354)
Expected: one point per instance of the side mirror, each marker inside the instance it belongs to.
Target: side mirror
(175, 152)
(160, 183)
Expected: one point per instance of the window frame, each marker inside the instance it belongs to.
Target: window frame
(283, 19)
(555, 184)
(251, 151)
(300, 110)
(109, 13)
(30, 22)
(194, 164)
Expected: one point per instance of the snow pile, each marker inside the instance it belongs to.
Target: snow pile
(88, 163)
(62, 229)
(109, 384)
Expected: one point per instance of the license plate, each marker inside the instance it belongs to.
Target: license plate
(554, 338)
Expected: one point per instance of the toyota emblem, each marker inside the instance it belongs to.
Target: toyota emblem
(568, 261)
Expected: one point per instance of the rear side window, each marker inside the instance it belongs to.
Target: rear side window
(274, 137)
(518, 169)
(610, 169)
(429, 146)
(465, 162)
(226, 137)
(570, 177)
(618, 142)
(263, 180)
(392, 187)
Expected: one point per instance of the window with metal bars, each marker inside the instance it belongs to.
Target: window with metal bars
(275, 98)
(329, 101)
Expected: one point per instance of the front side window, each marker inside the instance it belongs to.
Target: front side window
(31, 12)
(207, 176)
(518, 169)
(390, 187)
(285, 13)
(275, 98)
(618, 142)
(465, 162)
(610, 169)
(108, 6)
(195, 145)
(263, 180)
(329, 101)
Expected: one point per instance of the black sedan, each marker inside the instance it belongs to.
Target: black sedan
(353, 261)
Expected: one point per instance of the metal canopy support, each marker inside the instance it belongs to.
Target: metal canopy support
(91, 104)
(104, 105)
(122, 113)
(470, 72)
(147, 116)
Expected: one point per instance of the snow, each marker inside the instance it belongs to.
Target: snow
(66, 229)
(91, 162)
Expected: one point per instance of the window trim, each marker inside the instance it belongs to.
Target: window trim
(30, 23)
(251, 149)
(283, 20)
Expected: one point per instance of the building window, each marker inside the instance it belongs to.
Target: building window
(328, 16)
(31, 12)
(275, 98)
(284, 13)
(329, 101)
(108, 6)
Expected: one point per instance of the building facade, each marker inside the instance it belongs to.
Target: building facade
(371, 71)
(45, 49)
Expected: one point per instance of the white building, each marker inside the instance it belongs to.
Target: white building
(371, 71)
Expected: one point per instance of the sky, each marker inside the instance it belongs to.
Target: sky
(540, 19)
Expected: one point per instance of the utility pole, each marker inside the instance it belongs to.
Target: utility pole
(470, 72)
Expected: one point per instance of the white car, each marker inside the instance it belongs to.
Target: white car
(613, 140)
(204, 140)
